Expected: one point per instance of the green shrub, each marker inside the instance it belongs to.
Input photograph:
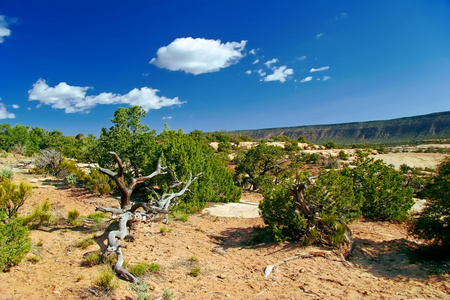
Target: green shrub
(386, 196)
(143, 268)
(13, 196)
(97, 216)
(180, 216)
(141, 291)
(168, 295)
(195, 272)
(433, 223)
(193, 259)
(313, 216)
(94, 259)
(106, 280)
(343, 155)
(6, 174)
(329, 145)
(71, 179)
(40, 215)
(14, 243)
(72, 217)
(98, 182)
(72, 169)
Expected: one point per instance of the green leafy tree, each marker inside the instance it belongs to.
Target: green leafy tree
(385, 195)
(185, 155)
(433, 223)
(131, 140)
(329, 145)
(259, 165)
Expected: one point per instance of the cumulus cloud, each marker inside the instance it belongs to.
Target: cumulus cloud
(248, 72)
(4, 114)
(255, 62)
(270, 62)
(279, 74)
(253, 51)
(319, 69)
(303, 57)
(306, 79)
(325, 78)
(319, 35)
(73, 99)
(15, 106)
(198, 56)
(4, 30)
(167, 118)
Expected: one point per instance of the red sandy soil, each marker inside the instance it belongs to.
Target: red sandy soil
(231, 266)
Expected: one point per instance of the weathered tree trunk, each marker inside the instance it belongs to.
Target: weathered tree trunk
(126, 191)
(128, 213)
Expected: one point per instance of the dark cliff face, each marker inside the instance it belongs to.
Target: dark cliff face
(430, 126)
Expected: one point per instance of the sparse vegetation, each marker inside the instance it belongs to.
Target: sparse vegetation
(143, 268)
(72, 217)
(40, 215)
(194, 272)
(106, 280)
(94, 259)
(85, 243)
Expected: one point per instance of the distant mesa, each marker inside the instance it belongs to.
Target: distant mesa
(431, 126)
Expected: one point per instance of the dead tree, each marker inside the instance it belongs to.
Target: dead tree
(127, 213)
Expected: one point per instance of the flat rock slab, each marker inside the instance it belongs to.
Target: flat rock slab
(234, 210)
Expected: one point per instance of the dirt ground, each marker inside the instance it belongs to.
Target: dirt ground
(229, 251)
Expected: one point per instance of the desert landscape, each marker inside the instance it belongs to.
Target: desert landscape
(225, 244)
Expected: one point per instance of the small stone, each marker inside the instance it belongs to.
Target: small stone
(221, 276)
(56, 292)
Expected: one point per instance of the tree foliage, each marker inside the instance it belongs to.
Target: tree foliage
(13, 196)
(185, 155)
(433, 223)
(312, 213)
(14, 243)
(385, 195)
(258, 165)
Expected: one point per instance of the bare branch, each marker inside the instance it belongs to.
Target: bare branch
(159, 171)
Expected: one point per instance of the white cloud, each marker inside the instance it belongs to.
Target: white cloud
(302, 57)
(167, 118)
(279, 74)
(28, 108)
(272, 61)
(255, 62)
(248, 72)
(253, 51)
(261, 72)
(73, 99)
(325, 78)
(309, 78)
(4, 30)
(198, 56)
(319, 35)
(15, 106)
(4, 114)
(319, 69)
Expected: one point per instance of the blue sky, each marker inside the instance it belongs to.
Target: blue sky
(221, 65)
